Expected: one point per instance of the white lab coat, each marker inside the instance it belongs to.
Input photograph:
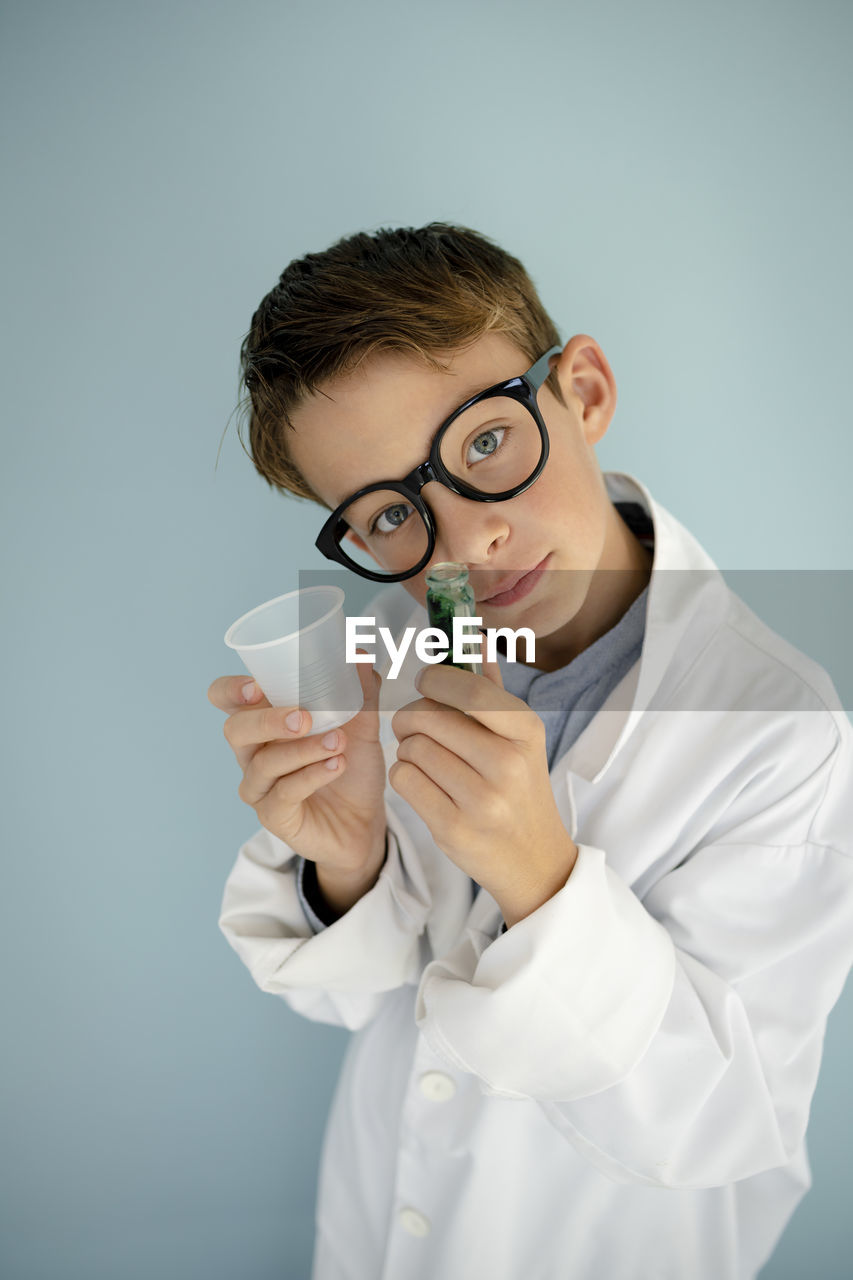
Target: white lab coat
(617, 1087)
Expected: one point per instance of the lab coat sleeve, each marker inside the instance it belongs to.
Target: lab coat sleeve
(341, 974)
(674, 1041)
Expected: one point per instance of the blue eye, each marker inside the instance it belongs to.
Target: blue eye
(486, 443)
(395, 517)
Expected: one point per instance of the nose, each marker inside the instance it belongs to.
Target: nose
(466, 532)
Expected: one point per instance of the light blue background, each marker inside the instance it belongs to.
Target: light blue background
(677, 179)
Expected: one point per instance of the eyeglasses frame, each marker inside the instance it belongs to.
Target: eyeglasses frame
(524, 388)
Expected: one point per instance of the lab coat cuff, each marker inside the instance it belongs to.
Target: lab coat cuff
(373, 947)
(562, 1005)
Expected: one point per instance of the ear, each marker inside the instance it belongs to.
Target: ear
(588, 386)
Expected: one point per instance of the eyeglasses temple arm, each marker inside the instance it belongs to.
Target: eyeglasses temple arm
(542, 368)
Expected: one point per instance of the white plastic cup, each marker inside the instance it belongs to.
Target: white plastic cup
(294, 647)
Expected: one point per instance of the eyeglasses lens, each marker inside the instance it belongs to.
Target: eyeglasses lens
(492, 447)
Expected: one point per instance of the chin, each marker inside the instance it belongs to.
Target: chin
(556, 610)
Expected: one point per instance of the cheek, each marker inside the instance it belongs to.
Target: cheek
(571, 517)
(416, 587)
(553, 502)
(571, 489)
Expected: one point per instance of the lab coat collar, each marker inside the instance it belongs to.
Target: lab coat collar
(685, 605)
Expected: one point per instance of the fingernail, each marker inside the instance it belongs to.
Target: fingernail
(249, 691)
(333, 764)
(294, 720)
(330, 740)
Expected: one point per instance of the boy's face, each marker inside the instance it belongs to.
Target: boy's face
(378, 423)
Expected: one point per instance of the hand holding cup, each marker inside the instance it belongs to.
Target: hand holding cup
(313, 769)
(321, 794)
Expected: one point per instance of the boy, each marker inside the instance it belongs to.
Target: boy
(586, 919)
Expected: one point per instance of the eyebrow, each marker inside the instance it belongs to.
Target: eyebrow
(477, 389)
(473, 390)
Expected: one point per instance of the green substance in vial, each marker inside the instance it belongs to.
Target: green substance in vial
(449, 596)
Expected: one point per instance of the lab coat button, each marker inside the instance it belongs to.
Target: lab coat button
(413, 1222)
(436, 1086)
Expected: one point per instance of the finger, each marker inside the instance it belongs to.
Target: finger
(371, 682)
(247, 730)
(280, 809)
(471, 762)
(493, 707)
(367, 728)
(272, 763)
(492, 670)
(452, 728)
(428, 800)
(230, 692)
(459, 781)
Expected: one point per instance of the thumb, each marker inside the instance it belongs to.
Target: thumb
(491, 670)
(371, 682)
(364, 726)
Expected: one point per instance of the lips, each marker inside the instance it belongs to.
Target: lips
(515, 586)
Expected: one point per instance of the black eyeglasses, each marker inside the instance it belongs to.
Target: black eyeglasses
(491, 448)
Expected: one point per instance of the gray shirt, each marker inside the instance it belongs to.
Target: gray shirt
(566, 700)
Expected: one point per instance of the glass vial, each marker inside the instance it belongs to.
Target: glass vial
(449, 596)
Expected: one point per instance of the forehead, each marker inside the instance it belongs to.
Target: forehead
(378, 422)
